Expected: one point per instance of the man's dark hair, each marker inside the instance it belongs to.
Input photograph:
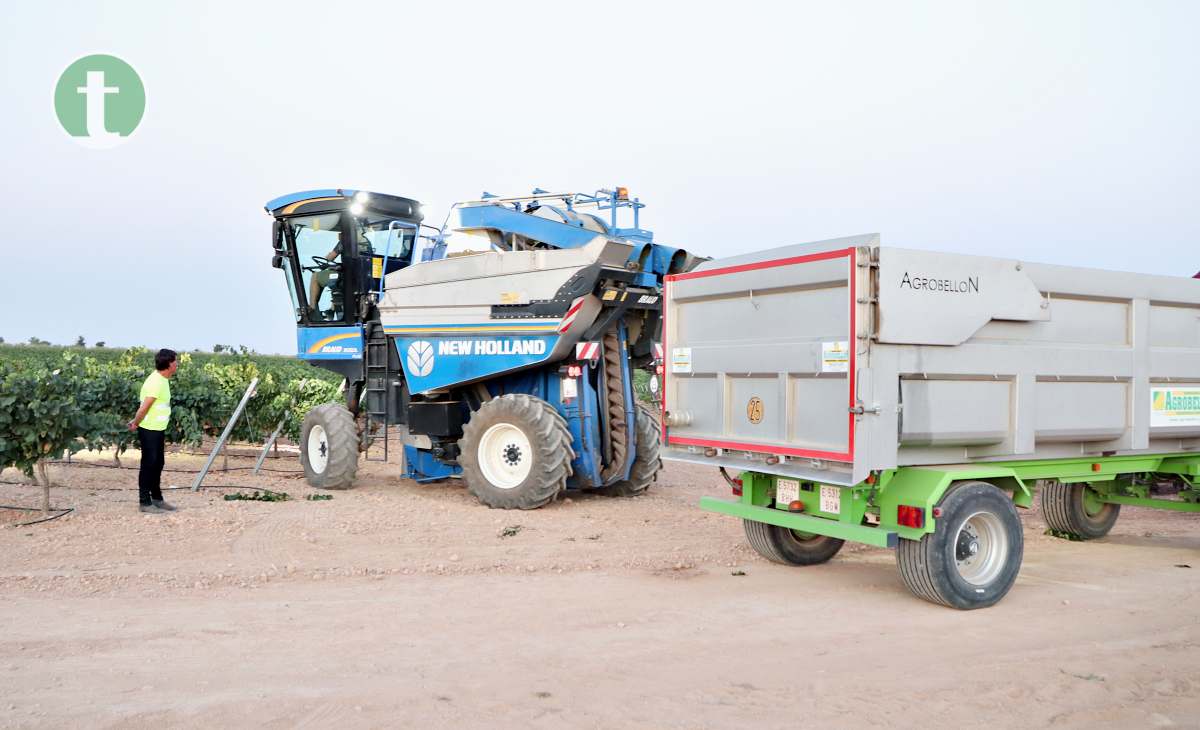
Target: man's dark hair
(163, 359)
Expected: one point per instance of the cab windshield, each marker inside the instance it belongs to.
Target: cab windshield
(318, 241)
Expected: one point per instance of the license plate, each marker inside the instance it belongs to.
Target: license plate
(786, 491)
(831, 500)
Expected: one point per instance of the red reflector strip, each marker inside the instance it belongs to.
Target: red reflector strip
(587, 351)
(907, 516)
(569, 318)
(658, 351)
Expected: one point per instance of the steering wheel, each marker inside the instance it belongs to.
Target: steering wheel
(322, 264)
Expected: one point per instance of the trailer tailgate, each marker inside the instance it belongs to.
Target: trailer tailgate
(761, 359)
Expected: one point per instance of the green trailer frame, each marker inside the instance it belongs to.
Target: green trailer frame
(1112, 479)
(870, 512)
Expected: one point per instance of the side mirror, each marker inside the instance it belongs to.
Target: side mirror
(277, 235)
(277, 261)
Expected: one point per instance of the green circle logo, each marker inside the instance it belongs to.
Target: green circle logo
(99, 101)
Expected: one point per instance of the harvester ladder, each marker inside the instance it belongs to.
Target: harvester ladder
(376, 390)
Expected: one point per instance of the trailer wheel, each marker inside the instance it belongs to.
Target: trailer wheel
(516, 452)
(647, 463)
(1076, 510)
(972, 559)
(329, 447)
(789, 547)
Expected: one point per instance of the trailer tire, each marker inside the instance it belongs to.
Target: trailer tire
(1065, 508)
(647, 462)
(516, 452)
(972, 559)
(329, 447)
(786, 547)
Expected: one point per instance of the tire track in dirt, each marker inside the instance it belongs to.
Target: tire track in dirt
(280, 537)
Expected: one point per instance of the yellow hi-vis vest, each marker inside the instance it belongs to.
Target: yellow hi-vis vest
(156, 387)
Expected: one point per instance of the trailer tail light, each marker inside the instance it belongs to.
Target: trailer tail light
(659, 369)
(736, 485)
(574, 371)
(907, 516)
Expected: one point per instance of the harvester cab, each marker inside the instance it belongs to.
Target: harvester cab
(499, 346)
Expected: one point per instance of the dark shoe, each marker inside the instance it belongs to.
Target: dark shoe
(164, 506)
(150, 509)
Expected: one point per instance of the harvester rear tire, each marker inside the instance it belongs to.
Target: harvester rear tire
(1065, 509)
(525, 447)
(647, 462)
(788, 547)
(972, 558)
(330, 433)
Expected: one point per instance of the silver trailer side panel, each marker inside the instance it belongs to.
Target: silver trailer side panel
(830, 360)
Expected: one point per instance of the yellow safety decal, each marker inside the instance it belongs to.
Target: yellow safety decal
(377, 267)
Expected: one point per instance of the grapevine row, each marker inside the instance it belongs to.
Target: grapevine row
(48, 407)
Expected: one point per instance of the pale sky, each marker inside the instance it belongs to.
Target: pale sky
(1060, 132)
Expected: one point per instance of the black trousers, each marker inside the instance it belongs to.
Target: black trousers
(153, 459)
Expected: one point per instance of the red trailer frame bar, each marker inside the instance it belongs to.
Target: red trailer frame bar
(846, 456)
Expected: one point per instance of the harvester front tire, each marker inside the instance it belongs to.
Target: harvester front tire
(972, 558)
(647, 462)
(515, 452)
(788, 547)
(1067, 508)
(329, 447)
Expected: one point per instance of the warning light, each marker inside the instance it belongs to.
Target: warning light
(1095, 467)
(622, 193)
(574, 371)
(659, 369)
(795, 506)
(907, 516)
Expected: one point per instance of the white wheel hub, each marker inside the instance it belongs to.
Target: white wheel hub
(981, 549)
(505, 456)
(318, 449)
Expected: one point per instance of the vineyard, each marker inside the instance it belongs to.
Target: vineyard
(55, 400)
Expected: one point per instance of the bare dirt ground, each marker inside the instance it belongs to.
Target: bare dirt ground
(405, 605)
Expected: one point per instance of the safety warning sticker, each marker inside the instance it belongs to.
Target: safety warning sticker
(835, 357)
(681, 359)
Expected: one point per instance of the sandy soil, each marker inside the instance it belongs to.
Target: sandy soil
(405, 605)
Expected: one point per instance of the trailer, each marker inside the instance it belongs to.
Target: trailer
(913, 400)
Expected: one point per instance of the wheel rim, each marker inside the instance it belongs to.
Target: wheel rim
(981, 548)
(505, 456)
(799, 536)
(1092, 506)
(318, 449)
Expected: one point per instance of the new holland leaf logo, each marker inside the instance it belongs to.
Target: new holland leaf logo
(420, 358)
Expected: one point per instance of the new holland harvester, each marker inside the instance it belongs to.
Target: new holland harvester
(499, 346)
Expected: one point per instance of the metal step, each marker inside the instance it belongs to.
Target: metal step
(376, 390)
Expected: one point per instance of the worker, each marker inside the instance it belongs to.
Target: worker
(323, 279)
(150, 423)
